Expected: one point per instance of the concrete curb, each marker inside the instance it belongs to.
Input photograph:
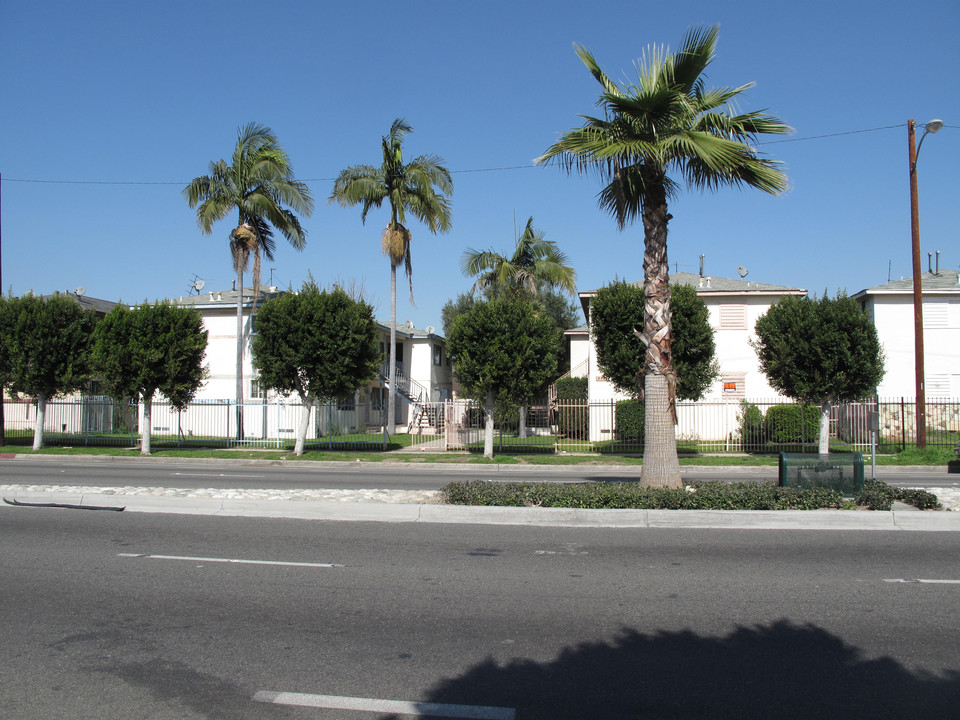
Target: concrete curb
(541, 517)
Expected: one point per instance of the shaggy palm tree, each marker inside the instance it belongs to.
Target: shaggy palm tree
(535, 263)
(665, 122)
(260, 186)
(417, 188)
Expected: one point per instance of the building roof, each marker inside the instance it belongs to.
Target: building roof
(408, 330)
(708, 285)
(228, 298)
(101, 307)
(944, 282)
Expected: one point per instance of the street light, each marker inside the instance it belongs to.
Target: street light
(931, 127)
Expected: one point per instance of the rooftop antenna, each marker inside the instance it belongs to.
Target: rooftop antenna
(743, 271)
(79, 291)
(701, 265)
(197, 284)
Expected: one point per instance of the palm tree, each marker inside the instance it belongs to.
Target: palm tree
(666, 121)
(535, 263)
(415, 187)
(260, 186)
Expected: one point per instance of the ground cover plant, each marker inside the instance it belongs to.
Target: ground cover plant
(697, 496)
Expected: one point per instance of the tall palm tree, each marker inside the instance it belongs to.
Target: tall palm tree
(535, 263)
(415, 187)
(258, 184)
(665, 122)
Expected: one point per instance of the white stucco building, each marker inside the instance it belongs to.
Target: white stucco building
(890, 307)
(734, 307)
(424, 372)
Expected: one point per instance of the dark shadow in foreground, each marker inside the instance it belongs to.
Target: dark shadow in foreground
(778, 671)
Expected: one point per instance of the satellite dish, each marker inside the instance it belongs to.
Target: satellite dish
(79, 291)
(198, 284)
(743, 271)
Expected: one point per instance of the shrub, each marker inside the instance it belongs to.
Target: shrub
(751, 425)
(572, 419)
(876, 495)
(629, 421)
(791, 424)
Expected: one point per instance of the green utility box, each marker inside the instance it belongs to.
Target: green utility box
(837, 471)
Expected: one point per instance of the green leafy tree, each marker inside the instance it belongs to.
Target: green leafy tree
(48, 349)
(822, 351)
(416, 187)
(140, 351)
(504, 352)
(320, 345)
(666, 122)
(7, 323)
(259, 185)
(535, 263)
(617, 314)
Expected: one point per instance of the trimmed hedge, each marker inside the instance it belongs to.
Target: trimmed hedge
(785, 425)
(630, 421)
(697, 496)
(751, 425)
(572, 421)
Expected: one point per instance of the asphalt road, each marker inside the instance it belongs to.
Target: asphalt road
(536, 623)
(113, 472)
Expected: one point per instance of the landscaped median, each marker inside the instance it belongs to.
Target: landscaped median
(713, 495)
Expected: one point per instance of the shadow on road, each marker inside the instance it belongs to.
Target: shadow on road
(777, 671)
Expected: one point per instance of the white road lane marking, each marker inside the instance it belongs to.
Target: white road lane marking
(232, 475)
(921, 580)
(230, 560)
(399, 707)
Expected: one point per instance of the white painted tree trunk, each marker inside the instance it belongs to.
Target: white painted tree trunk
(660, 465)
(488, 426)
(824, 427)
(38, 426)
(147, 429)
(306, 405)
(523, 421)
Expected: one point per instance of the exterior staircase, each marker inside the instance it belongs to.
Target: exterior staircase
(424, 415)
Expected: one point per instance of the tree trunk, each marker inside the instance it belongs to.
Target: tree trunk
(392, 371)
(306, 406)
(661, 467)
(824, 427)
(523, 422)
(240, 354)
(488, 426)
(38, 425)
(147, 429)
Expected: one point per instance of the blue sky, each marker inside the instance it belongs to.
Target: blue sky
(115, 106)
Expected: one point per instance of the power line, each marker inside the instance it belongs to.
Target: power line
(474, 170)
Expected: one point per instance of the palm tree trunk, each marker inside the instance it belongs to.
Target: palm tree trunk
(240, 354)
(392, 372)
(661, 468)
(38, 425)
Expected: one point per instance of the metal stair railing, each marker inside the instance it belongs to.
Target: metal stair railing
(410, 390)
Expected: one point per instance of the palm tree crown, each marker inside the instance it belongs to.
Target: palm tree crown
(416, 187)
(260, 185)
(665, 122)
(535, 263)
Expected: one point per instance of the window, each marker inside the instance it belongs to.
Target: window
(257, 390)
(437, 355)
(347, 403)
